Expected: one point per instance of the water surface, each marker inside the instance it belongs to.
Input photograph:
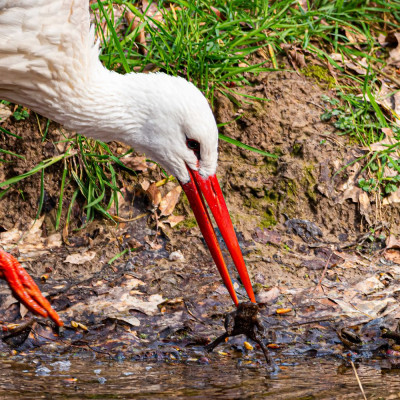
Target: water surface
(222, 378)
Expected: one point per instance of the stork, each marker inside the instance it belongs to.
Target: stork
(49, 63)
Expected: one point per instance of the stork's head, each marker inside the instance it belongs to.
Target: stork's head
(178, 128)
(180, 133)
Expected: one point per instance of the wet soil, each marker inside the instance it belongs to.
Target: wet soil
(303, 224)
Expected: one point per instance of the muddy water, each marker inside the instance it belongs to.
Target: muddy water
(77, 378)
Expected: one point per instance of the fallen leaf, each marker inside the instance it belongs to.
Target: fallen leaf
(168, 202)
(176, 256)
(283, 310)
(174, 220)
(137, 163)
(5, 113)
(393, 255)
(268, 296)
(365, 206)
(360, 67)
(248, 346)
(155, 195)
(389, 98)
(392, 242)
(355, 37)
(394, 55)
(31, 243)
(78, 258)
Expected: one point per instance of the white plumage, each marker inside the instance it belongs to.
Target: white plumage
(49, 63)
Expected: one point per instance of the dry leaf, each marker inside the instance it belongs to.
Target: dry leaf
(365, 205)
(155, 195)
(295, 56)
(394, 55)
(392, 242)
(176, 256)
(361, 67)
(393, 255)
(78, 258)
(355, 37)
(389, 98)
(393, 198)
(31, 244)
(174, 220)
(137, 163)
(168, 203)
(5, 113)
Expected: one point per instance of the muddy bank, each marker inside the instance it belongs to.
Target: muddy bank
(303, 227)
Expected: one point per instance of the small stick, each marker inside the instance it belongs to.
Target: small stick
(358, 380)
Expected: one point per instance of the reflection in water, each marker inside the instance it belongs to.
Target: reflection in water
(83, 378)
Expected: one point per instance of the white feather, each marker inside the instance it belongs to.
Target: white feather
(49, 63)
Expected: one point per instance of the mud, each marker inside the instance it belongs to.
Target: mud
(304, 184)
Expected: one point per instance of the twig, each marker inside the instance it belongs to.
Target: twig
(358, 380)
(324, 272)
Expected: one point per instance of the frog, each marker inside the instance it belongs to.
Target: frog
(245, 320)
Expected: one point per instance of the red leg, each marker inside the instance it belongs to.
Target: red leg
(24, 288)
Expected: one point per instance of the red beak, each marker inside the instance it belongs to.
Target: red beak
(210, 189)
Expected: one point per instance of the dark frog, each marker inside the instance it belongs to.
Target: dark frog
(245, 320)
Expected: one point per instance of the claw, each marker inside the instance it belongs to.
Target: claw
(25, 289)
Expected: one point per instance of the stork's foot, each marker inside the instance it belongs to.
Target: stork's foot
(24, 288)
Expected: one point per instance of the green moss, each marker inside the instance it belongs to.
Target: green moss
(272, 196)
(253, 203)
(268, 218)
(188, 223)
(297, 149)
(320, 74)
(309, 182)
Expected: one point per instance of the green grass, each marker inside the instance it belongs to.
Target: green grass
(218, 50)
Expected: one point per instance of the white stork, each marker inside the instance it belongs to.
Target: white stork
(49, 63)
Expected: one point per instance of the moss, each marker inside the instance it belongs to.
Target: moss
(272, 196)
(268, 218)
(258, 109)
(297, 149)
(253, 203)
(291, 188)
(320, 74)
(309, 182)
(188, 223)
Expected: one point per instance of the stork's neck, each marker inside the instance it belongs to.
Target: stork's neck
(94, 102)
(101, 105)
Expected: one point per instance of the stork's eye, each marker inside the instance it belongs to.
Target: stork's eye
(193, 144)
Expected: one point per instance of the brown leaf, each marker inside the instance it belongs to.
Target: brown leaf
(5, 113)
(137, 163)
(393, 255)
(78, 258)
(360, 67)
(217, 13)
(394, 55)
(155, 195)
(392, 242)
(168, 203)
(389, 98)
(355, 37)
(174, 220)
(393, 198)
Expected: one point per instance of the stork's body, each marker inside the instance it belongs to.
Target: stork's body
(49, 63)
